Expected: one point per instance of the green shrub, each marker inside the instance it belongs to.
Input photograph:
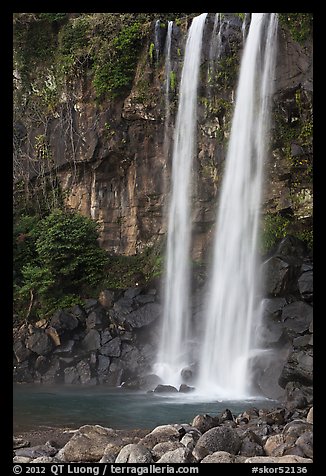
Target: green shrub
(68, 261)
(274, 227)
(298, 24)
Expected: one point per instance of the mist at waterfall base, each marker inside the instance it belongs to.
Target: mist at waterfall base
(38, 407)
(231, 320)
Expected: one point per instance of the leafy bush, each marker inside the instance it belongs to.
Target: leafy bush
(68, 261)
(299, 25)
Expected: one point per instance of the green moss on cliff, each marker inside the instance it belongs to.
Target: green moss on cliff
(298, 24)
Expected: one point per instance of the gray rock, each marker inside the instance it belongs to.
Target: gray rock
(161, 448)
(305, 283)
(39, 343)
(92, 340)
(62, 321)
(131, 293)
(279, 276)
(105, 336)
(145, 298)
(305, 443)
(87, 444)
(144, 316)
(294, 429)
(123, 306)
(165, 389)
(20, 443)
(78, 312)
(115, 374)
(20, 351)
(71, 375)
(53, 374)
(189, 441)
(185, 388)
(84, 372)
(134, 453)
(297, 317)
(113, 347)
(273, 306)
(103, 364)
(35, 451)
(303, 341)
(217, 439)
(219, 457)
(97, 319)
(113, 448)
(65, 347)
(21, 459)
(44, 459)
(272, 443)
(298, 368)
(160, 434)
(146, 382)
(90, 305)
(179, 455)
(205, 422)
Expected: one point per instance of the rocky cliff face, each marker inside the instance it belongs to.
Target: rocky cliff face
(108, 154)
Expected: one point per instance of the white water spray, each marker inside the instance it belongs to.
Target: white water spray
(173, 355)
(233, 292)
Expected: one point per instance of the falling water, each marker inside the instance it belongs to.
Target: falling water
(167, 85)
(172, 355)
(233, 297)
(157, 37)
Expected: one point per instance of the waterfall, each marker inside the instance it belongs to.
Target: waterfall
(172, 354)
(157, 38)
(167, 51)
(233, 298)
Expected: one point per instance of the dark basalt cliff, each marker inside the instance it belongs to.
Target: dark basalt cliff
(106, 150)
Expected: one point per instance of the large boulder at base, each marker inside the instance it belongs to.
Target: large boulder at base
(165, 389)
(205, 422)
(92, 340)
(97, 319)
(134, 453)
(161, 448)
(221, 438)
(272, 443)
(279, 276)
(113, 448)
(305, 283)
(294, 429)
(159, 435)
(87, 444)
(305, 443)
(20, 351)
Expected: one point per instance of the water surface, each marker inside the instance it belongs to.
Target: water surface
(40, 406)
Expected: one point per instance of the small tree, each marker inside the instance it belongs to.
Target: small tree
(69, 261)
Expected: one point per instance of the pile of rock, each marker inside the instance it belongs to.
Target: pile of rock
(270, 436)
(104, 341)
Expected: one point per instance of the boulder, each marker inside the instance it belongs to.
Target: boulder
(123, 307)
(160, 434)
(65, 347)
(35, 451)
(87, 444)
(112, 348)
(219, 457)
(179, 455)
(279, 276)
(185, 388)
(134, 453)
(21, 459)
(20, 443)
(131, 293)
(165, 389)
(161, 448)
(39, 343)
(297, 317)
(146, 382)
(144, 316)
(205, 422)
(145, 298)
(97, 319)
(217, 439)
(20, 351)
(92, 340)
(298, 368)
(305, 443)
(251, 444)
(305, 283)
(272, 443)
(63, 321)
(294, 429)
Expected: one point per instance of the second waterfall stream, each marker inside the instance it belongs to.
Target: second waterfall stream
(233, 301)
